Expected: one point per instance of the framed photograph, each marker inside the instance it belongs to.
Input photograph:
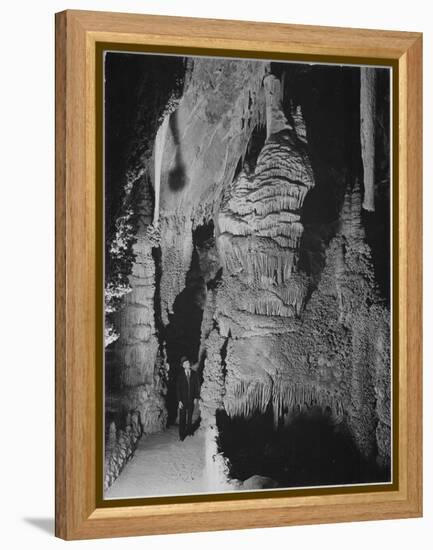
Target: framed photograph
(238, 274)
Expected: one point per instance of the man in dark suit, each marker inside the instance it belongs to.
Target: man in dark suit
(188, 392)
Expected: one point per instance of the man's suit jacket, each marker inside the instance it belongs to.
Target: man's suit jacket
(186, 390)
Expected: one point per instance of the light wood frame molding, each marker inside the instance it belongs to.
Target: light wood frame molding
(78, 514)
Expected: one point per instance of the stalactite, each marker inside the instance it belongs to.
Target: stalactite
(288, 398)
(159, 152)
(246, 397)
(368, 122)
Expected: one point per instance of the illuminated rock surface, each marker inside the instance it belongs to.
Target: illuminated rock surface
(263, 271)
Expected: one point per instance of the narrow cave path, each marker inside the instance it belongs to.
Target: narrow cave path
(163, 465)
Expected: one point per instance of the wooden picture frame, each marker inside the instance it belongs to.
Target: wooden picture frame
(79, 512)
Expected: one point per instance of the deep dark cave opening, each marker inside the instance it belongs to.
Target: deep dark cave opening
(309, 450)
(183, 333)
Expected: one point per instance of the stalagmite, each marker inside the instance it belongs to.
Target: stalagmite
(216, 474)
(368, 121)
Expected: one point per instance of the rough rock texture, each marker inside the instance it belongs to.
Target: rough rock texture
(142, 376)
(234, 159)
(134, 108)
(258, 482)
(208, 134)
(119, 447)
(260, 232)
(368, 133)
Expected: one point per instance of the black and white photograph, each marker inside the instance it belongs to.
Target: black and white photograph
(248, 261)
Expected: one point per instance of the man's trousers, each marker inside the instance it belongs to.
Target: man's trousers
(185, 420)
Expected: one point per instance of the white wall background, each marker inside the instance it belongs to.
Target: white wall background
(27, 271)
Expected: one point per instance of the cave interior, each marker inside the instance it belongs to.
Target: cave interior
(306, 445)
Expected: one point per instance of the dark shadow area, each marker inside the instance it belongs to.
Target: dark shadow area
(177, 178)
(159, 325)
(136, 91)
(310, 450)
(255, 145)
(112, 376)
(377, 223)
(183, 332)
(137, 88)
(43, 524)
(329, 97)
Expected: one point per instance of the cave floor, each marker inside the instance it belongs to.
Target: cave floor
(163, 465)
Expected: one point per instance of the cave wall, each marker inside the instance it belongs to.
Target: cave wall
(292, 317)
(139, 91)
(141, 377)
(207, 135)
(273, 331)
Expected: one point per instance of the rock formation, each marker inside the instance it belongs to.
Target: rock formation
(224, 277)
(368, 123)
